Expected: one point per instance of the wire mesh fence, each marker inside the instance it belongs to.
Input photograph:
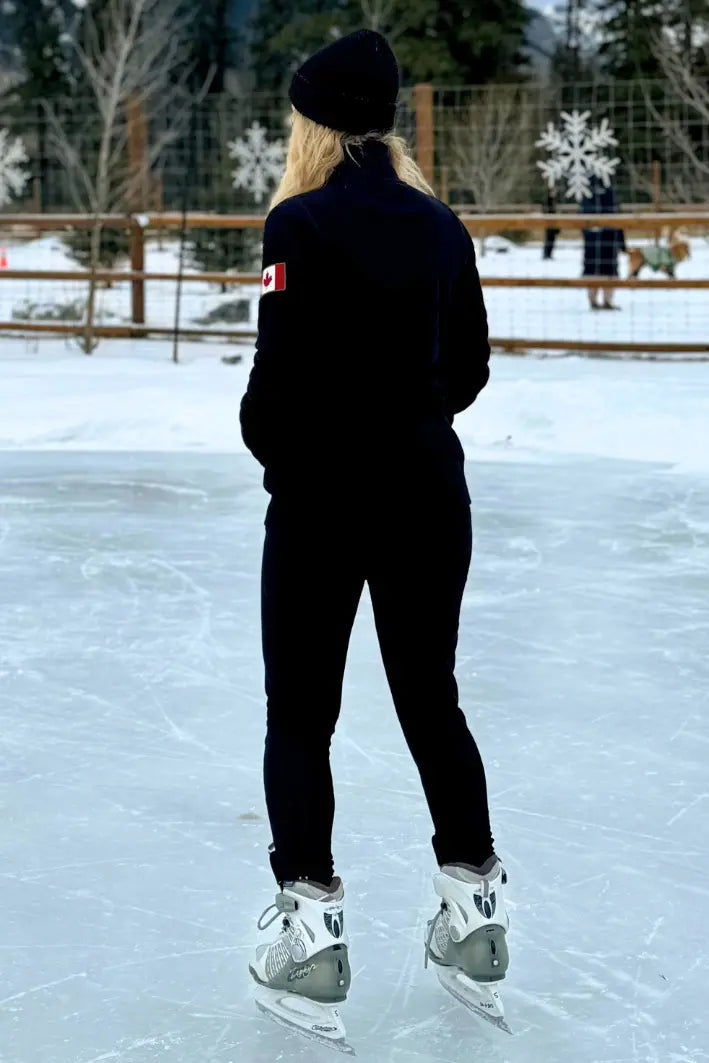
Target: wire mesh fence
(488, 149)
(485, 149)
(220, 153)
(479, 145)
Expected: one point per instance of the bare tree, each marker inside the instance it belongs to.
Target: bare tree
(488, 145)
(687, 108)
(129, 53)
(680, 183)
(385, 16)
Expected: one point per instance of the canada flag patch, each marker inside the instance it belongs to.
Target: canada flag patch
(274, 278)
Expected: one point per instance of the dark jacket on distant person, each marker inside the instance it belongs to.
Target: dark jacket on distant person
(378, 338)
(601, 245)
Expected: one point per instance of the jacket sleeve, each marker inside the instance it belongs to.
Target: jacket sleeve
(465, 355)
(283, 313)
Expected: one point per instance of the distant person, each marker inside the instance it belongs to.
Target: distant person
(372, 337)
(601, 245)
(550, 235)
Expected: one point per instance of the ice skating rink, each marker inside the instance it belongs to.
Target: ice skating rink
(133, 838)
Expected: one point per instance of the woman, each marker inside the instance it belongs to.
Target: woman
(372, 336)
(601, 246)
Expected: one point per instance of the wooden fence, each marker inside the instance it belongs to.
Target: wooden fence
(138, 226)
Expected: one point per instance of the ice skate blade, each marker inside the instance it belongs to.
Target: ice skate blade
(317, 1022)
(482, 998)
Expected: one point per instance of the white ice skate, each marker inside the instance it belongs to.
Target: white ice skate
(305, 973)
(466, 939)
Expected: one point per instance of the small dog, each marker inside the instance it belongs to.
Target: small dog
(665, 258)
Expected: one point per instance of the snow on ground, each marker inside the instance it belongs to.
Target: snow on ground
(528, 313)
(129, 396)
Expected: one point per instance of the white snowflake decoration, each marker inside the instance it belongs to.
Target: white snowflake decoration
(260, 161)
(577, 154)
(13, 177)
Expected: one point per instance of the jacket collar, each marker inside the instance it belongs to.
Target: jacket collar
(370, 161)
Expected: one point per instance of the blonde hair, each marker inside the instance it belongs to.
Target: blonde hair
(314, 152)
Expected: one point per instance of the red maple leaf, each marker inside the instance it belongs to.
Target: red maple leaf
(267, 280)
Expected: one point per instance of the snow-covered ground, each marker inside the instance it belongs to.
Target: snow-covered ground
(131, 397)
(133, 833)
(647, 315)
(114, 304)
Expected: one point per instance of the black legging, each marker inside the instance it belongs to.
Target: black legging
(415, 560)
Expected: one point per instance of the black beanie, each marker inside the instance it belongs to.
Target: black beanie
(351, 85)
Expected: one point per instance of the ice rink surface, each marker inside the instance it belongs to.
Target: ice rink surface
(133, 838)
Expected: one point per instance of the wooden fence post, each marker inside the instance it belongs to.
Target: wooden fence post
(137, 141)
(138, 194)
(656, 178)
(423, 102)
(137, 265)
(37, 195)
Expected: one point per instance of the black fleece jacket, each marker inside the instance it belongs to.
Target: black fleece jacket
(372, 336)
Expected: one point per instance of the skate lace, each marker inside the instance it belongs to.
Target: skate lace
(282, 904)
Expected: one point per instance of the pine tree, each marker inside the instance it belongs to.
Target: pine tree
(37, 29)
(282, 37)
(479, 41)
(115, 245)
(576, 55)
(629, 29)
(209, 43)
(692, 29)
(450, 42)
(220, 250)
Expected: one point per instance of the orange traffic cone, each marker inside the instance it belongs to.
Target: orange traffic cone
(3, 258)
